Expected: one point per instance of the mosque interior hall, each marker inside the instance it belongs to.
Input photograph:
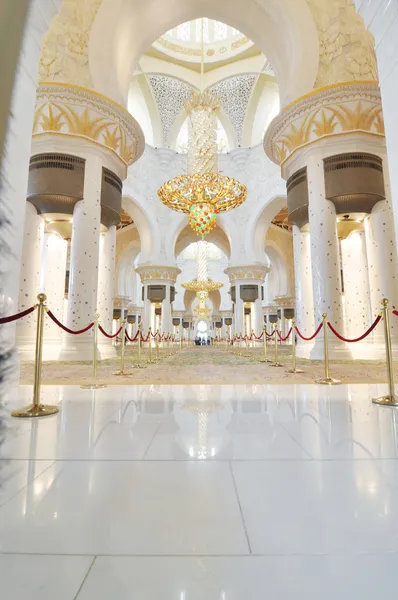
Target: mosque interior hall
(198, 299)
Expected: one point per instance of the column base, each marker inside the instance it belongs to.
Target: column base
(303, 349)
(81, 348)
(76, 347)
(26, 347)
(337, 350)
(106, 350)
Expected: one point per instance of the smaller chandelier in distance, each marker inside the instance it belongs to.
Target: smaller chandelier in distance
(203, 197)
(196, 285)
(202, 311)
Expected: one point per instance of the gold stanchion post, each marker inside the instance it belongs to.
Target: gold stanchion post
(138, 364)
(265, 359)
(150, 359)
(327, 380)
(36, 409)
(253, 355)
(294, 368)
(157, 345)
(389, 399)
(276, 362)
(95, 385)
(122, 371)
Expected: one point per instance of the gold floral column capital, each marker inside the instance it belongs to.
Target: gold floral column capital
(328, 112)
(71, 111)
(250, 272)
(158, 273)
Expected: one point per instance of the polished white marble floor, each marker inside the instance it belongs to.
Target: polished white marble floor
(200, 493)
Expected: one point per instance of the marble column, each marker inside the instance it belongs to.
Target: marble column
(239, 316)
(380, 243)
(52, 283)
(166, 312)
(303, 285)
(84, 259)
(106, 288)
(146, 317)
(356, 284)
(325, 261)
(257, 314)
(29, 280)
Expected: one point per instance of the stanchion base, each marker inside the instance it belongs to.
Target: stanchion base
(40, 410)
(93, 386)
(139, 366)
(294, 371)
(275, 364)
(386, 400)
(123, 374)
(328, 381)
(151, 362)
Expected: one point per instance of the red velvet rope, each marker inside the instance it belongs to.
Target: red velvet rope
(54, 318)
(145, 339)
(283, 339)
(260, 337)
(107, 334)
(308, 339)
(358, 339)
(20, 315)
(135, 338)
(270, 334)
(395, 312)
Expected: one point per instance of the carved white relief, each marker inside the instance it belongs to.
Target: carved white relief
(169, 94)
(235, 93)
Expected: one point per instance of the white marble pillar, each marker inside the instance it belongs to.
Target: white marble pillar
(239, 325)
(325, 261)
(146, 317)
(52, 283)
(356, 284)
(29, 280)
(380, 243)
(257, 314)
(106, 288)
(303, 285)
(84, 258)
(166, 312)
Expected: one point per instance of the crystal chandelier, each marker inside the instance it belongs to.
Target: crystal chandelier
(203, 193)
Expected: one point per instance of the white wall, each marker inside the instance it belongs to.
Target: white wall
(381, 18)
(138, 107)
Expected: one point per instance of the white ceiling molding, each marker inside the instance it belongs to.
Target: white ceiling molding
(169, 94)
(235, 94)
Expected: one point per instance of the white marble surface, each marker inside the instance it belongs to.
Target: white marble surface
(221, 491)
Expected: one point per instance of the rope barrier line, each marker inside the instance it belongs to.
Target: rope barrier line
(108, 335)
(134, 339)
(283, 339)
(308, 339)
(361, 337)
(54, 318)
(395, 312)
(20, 315)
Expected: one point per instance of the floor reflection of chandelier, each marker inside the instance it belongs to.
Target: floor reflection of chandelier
(203, 193)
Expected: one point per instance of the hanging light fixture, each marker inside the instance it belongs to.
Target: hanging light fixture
(203, 193)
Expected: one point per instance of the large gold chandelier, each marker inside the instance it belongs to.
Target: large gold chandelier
(203, 193)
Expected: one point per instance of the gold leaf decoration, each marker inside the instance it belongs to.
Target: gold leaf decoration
(325, 125)
(111, 138)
